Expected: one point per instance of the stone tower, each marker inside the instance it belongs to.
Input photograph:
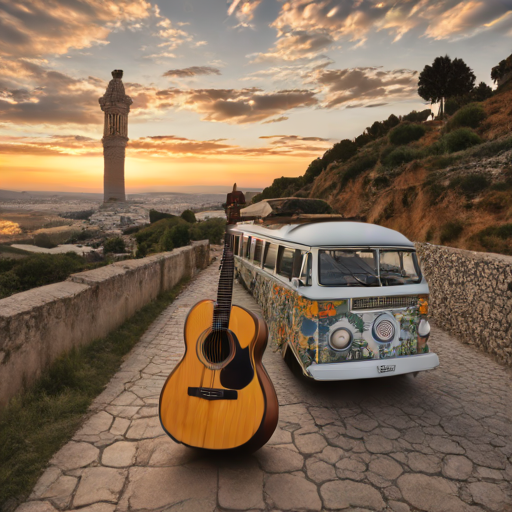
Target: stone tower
(116, 105)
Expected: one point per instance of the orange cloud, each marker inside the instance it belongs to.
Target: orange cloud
(163, 146)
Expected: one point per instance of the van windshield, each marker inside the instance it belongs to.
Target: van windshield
(348, 268)
(398, 267)
(351, 267)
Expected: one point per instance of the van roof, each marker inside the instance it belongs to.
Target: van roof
(330, 234)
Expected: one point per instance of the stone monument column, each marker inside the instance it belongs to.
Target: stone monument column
(116, 105)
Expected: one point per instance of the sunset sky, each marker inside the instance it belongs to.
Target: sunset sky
(244, 91)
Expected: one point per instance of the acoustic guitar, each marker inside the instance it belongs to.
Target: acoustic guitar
(220, 397)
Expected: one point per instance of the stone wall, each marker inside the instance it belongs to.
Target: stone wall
(38, 325)
(471, 296)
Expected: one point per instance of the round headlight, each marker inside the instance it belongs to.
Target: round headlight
(341, 339)
(383, 329)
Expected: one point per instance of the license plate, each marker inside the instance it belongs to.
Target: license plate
(386, 368)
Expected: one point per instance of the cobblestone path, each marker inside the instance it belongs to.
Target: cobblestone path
(441, 442)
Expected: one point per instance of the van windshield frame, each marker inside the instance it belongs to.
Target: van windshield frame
(356, 270)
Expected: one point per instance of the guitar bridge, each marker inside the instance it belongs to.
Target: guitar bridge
(213, 393)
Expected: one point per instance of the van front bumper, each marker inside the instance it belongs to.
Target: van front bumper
(373, 368)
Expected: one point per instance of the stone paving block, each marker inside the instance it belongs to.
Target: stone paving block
(99, 484)
(279, 459)
(345, 493)
(75, 455)
(241, 486)
(431, 493)
(119, 455)
(60, 492)
(153, 488)
(289, 492)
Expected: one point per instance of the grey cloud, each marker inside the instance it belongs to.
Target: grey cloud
(365, 86)
(192, 71)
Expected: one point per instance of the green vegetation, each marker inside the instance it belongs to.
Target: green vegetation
(37, 423)
(470, 116)
(401, 155)
(114, 245)
(19, 275)
(360, 165)
(169, 233)
(445, 78)
(503, 68)
(405, 133)
(471, 184)
(491, 148)
(282, 187)
(44, 240)
(451, 231)
(189, 216)
(461, 139)
(496, 238)
(155, 216)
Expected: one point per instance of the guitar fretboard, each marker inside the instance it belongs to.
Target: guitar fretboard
(225, 292)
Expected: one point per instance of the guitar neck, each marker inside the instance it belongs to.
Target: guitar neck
(225, 292)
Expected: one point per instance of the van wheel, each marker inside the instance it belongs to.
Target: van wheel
(294, 365)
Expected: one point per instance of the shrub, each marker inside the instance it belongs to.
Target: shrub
(401, 155)
(114, 245)
(362, 164)
(496, 202)
(39, 270)
(44, 240)
(461, 139)
(405, 133)
(496, 238)
(451, 231)
(468, 116)
(166, 243)
(471, 184)
(492, 148)
(409, 196)
(435, 192)
(189, 216)
(212, 229)
(155, 216)
(430, 234)
(417, 117)
(381, 182)
(279, 186)
(451, 106)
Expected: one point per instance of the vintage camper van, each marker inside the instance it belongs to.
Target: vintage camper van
(348, 299)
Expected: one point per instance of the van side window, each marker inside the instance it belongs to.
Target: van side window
(297, 262)
(285, 262)
(270, 257)
(258, 252)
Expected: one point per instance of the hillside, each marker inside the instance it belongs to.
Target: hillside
(445, 182)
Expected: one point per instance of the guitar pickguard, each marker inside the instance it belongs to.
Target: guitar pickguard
(239, 372)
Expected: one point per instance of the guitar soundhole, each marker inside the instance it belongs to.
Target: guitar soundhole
(217, 347)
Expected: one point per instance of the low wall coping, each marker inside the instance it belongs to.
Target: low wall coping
(24, 302)
(487, 256)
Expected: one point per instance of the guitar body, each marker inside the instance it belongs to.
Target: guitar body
(220, 397)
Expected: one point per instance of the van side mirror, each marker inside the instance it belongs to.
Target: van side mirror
(296, 282)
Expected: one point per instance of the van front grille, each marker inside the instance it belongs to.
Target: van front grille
(384, 302)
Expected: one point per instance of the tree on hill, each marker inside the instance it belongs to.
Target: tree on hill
(445, 78)
(499, 71)
(189, 216)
